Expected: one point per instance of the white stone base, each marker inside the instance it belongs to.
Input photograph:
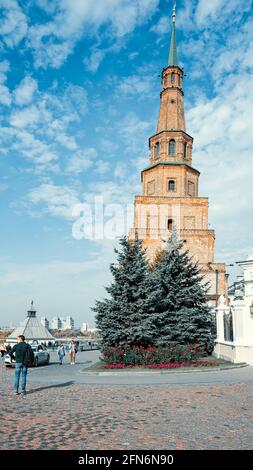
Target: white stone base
(234, 352)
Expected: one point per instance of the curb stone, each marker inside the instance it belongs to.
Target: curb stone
(161, 372)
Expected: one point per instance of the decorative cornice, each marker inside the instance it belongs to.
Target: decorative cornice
(171, 130)
(171, 163)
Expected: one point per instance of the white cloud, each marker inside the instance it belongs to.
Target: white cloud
(25, 118)
(110, 147)
(236, 55)
(218, 12)
(81, 161)
(132, 125)
(110, 191)
(13, 23)
(163, 26)
(40, 131)
(139, 86)
(215, 44)
(202, 16)
(133, 55)
(54, 41)
(67, 141)
(5, 95)
(185, 15)
(4, 69)
(206, 9)
(93, 61)
(67, 107)
(53, 55)
(120, 171)
(76, 99)
(248, 57)
(223, 142)
(102, 167)
(24, 93)
(54, 200)
(123, 15)
(134, 132)
(47, 5)
(23, 143)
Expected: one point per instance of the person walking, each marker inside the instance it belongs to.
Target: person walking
(24, 358)
(61, 353)
(72, 352)
(2, 350)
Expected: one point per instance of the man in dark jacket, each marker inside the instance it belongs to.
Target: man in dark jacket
(19, 350)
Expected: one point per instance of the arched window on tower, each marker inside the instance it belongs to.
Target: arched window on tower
(185, 151)
(170, 225)
(172, 185)
(157, 149)
(173, 77)
(172, 147)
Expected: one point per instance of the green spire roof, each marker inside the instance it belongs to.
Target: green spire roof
(173, 59)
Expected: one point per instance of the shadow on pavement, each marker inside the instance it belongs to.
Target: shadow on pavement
(66, 363)
(65, 384)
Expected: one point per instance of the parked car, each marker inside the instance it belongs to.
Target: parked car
(88, 346)
(41, 357)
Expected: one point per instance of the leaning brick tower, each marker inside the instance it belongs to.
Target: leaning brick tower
(170, 184)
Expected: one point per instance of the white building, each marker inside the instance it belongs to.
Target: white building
(235, 320)
(84, 327)
(62, 323)
(56, 324)
(44, 321)
(67, 323)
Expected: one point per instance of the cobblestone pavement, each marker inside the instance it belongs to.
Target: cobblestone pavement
(154, 417)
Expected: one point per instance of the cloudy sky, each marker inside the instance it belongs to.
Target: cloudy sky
(79, 97)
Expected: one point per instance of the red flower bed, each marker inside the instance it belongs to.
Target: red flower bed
(162, 366)
(173, 355)
(116, 366)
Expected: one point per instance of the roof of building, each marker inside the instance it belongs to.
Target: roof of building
(173, 58)
(31, 328)
(172, 164)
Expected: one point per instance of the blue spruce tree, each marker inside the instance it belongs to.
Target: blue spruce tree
(179, 312)
(122, 317)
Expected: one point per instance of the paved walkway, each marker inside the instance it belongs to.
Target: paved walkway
(64, 410)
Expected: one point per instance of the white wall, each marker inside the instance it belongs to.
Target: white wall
(241, 349)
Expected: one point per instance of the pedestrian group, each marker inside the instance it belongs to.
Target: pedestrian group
(23, 355)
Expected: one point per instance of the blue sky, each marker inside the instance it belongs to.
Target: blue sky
(79, 98)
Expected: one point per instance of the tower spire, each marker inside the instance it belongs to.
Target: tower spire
(173, 59)
(32, 312)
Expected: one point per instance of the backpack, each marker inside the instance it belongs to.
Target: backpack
(28, 360)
